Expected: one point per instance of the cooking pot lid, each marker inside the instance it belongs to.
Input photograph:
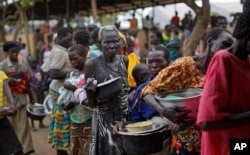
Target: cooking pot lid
(156, 127)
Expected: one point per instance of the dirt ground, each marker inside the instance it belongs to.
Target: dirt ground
(41, 146)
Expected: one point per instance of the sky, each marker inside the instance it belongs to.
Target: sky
(225, 1)
(125, 23)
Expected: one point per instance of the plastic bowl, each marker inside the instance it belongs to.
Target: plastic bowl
(186, 98)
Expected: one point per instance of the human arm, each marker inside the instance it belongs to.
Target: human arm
(57, 74)
(119, 126)
(90, 85)
(176, 115)
(126, 61)
(10, 99)
(69, 86)
(224, 101)
(57, 61)
(231, 121)
(69, 106)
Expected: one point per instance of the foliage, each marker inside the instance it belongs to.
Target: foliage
(29, 3)
(108, 19)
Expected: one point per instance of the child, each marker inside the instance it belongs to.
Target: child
(9, 143)
(80, 114)
(35, 86)
(140, 111)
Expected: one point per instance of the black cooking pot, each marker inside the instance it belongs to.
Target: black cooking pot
(144, 143)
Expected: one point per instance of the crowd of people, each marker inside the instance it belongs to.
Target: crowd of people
(98, 84)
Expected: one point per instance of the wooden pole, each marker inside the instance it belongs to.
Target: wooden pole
(94, 10)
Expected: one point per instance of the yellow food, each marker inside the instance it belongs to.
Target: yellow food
(140, 126)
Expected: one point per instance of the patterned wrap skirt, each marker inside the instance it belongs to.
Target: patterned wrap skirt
(59, 128)
(80, 138)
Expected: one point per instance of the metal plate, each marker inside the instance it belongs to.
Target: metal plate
(108, 82)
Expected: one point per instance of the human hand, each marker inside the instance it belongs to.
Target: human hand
(12, 81)
(69, 106)
(8, 111)
(118, 127)
(12, 111)
(4, 111)
(91, 86)
(178, 115)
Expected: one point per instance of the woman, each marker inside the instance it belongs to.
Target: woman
(186, 72)
(59, 66)
(158, 59)
(107, 111)
(224, 110)
(80, 127)
(18, 72)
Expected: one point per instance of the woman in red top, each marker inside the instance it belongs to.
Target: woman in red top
(224, 110)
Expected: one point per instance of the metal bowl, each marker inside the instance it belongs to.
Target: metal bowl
(108, 89)
(48, 104)
(187, 98)
(36, 111)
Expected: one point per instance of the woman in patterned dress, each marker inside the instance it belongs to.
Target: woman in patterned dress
(111, 110)
(59, 66)
(186, 72)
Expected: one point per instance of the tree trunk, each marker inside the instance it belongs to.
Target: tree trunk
(2, 34)
(20, 22)
(26, 30)
(203, 15)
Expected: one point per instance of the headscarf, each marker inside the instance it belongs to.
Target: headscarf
(124, 43)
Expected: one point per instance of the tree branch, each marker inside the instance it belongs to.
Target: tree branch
(11, 17)
(193, 5)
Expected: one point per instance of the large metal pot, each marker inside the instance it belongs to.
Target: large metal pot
(188, 98)
(145, 142)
